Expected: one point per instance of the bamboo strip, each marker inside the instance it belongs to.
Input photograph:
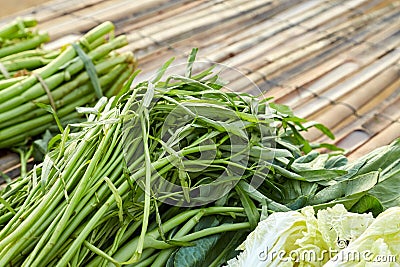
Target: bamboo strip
(355, 139)
(266, 30)
(159, 15)
(8, 160)
(363, 76)
(379, 115)
(216, 38)
(332, 74)
(332, 115)
(84, 19)
(204, 22)
(174, 24)
(65, 7)
(276, 8)
(333, 13)
(291, 96)
(201, 40)
(350, 84)
(393, 111)
(383, 138)
(53, 9)
(268, 69)
(120, 10)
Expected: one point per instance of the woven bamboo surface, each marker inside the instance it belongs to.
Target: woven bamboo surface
(332, 61)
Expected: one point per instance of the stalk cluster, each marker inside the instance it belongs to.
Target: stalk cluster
(160, 167)
(39, 86)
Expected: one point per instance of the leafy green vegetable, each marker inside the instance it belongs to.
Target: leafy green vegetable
(102, 194)
(372, 183)
(197, 254)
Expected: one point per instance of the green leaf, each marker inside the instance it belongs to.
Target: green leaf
(49, 109)
(331, 147)
(191, 59)
(249, 207)
(197, 254)
(361, 183)
(380, 158)
(54, 140)
(46, 169)
(160, 72)
(287, 173)
(356, 185)
(298, 203)
(320, 127)
(90, 69)
(336, 162)
(283, 109)
(324, 130)
(306, 148)
(7, 205)
(322, 175)
(368, 203)
(125, 88)
(348, 201)
(258, 196)
(297, 193)
(265, 153)
(388, 191)
(41, 145)
(309, 158)
(289, 145)
(225, 248)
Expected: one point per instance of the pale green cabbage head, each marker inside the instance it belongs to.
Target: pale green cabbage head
(301, 238)
(378, 245)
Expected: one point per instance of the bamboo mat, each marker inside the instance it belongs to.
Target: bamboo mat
(334, 61)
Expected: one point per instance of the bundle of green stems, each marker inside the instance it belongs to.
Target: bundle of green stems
(57, 81)
(106, 195)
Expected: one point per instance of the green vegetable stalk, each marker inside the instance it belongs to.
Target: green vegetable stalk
(64, 80)
(162, 167)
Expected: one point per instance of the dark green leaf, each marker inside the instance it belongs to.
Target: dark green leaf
(336, 162)
(331, 147)
(298, 203)
(348, 201)
(349, 187)
(40, 145)
(249, 207)
(225, 248)
(197, 254)
(258, 196)
(368, 203)
(320, 127)
(322, 175)
(283, 109)
(361, 183)
(388, 191)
